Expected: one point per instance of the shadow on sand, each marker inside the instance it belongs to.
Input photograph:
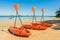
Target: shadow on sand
(57, 22)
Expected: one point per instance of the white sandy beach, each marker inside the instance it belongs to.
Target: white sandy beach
(48, 34)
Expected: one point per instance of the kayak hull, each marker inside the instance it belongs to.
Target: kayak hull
(19, 31)
(36, 26)
(27, 26)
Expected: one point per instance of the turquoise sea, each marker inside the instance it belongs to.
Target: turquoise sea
(10, 19)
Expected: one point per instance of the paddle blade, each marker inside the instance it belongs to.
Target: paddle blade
(34, 9)
(16, 7)
(43, 10)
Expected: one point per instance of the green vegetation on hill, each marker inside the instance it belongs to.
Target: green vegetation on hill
(58, 13)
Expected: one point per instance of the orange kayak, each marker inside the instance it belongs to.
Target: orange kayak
(35, 27)
(38, 27)
(41, 26)
(46, 24)
(19, 31)
(27, 26)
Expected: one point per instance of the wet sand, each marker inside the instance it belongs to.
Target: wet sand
(48, 34)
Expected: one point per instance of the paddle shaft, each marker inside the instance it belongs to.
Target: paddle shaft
(34, 17)
(15, 19)
(20, 20)
(17, 15)
(42, 17)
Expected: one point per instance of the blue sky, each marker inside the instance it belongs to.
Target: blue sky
(50, 6)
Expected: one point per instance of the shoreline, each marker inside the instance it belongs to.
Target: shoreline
(24, 22)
